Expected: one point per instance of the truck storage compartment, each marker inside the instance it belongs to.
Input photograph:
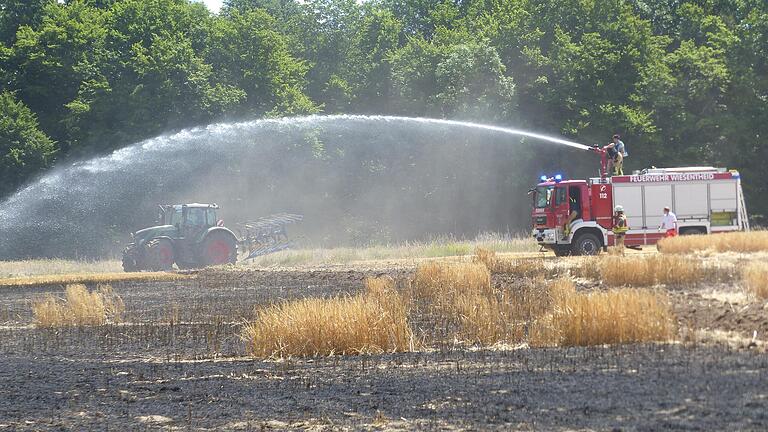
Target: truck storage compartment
(724, 197)
(691, 201)
(656, 198)
(631, 198)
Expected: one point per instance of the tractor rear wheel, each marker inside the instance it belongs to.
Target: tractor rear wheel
(159, 254)
(218, 248)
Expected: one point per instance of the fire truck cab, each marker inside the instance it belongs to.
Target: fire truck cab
(705, 200)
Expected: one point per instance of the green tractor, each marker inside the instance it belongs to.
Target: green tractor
(192, 236)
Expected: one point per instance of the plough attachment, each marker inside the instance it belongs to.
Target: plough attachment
(267, 235)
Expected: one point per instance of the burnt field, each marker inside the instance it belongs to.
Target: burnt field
(177, 361)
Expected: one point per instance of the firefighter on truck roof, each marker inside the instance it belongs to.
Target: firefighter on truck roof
(616, 154)
(620, 227)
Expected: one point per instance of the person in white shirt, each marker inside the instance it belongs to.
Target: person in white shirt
(668, 223)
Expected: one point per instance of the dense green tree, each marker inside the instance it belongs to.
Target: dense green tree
(451, 76)
(422, 17)
(174, 85)
(17, 13)
(380, 34)
(158, 75)
(746, 99)
(58, 68)
(248, 54)
(24, 149)
(686, 81)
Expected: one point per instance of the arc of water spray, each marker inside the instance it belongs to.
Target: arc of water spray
(498, 129)
(49, 212)
(430, 121)
(119, 159)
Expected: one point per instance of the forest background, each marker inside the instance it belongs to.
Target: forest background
(685, 82)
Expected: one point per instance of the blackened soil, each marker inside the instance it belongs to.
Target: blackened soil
(178, 363)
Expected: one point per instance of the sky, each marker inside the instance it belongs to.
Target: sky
(213, 5)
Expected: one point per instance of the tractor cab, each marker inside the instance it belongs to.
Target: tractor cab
(169, 215)
(184, 215)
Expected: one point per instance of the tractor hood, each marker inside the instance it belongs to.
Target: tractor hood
(145, 234)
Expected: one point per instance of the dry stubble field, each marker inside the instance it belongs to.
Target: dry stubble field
(177, 357)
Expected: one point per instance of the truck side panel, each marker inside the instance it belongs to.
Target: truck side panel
(724, 203)
(723, 196)
(691, 201)
(656, 198)
(630, 196)
(601, 196)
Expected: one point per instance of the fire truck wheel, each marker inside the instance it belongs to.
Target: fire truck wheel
(586, 244)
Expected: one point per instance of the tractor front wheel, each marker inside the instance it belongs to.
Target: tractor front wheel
(219, 248)
(130, 259)
(159, 255)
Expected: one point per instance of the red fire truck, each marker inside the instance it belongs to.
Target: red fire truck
(705, 200)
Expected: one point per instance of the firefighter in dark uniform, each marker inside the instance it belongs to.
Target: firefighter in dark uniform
(620, 227)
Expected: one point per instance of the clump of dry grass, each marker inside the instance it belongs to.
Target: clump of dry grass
(80, 278)
(438, 247)
(587, 267)
(603, 317)
(36, 267)
(440, 281)
(542, 313)
(457, 301)
(460, 298)
(486, 257)
(755, 280)
(645, 271)
(754, 241)
(374, 321)
(526, 267)
(461, 295)
(79, 307)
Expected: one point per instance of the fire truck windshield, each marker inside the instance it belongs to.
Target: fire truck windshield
(543, 196)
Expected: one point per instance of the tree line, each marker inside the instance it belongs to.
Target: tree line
(685, 82)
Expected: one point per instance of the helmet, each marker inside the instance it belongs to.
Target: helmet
(619, 209)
